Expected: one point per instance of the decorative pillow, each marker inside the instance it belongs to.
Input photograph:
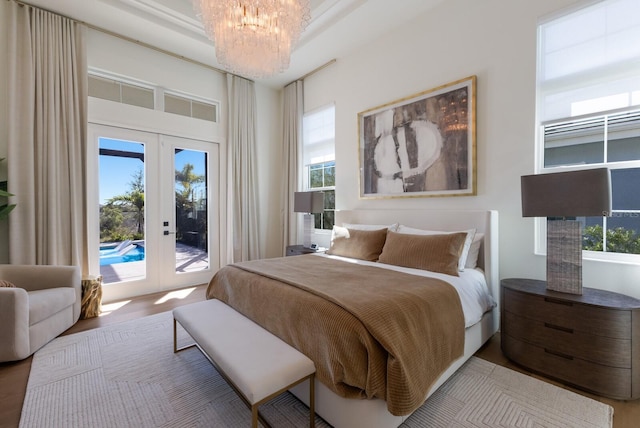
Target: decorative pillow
(474, 251)
(6, 284)
(467, 243)
(436, 253)
(357, 244)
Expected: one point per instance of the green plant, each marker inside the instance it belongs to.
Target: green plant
(5, 208)
(619, 240)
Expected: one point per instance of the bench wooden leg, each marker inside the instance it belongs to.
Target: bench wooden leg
(254, 416)
(312, 400)
(175, 336)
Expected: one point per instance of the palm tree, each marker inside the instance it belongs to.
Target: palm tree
(186, 179)
(133, 199)
(186, 217)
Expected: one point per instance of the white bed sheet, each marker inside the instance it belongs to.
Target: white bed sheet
(471, 286)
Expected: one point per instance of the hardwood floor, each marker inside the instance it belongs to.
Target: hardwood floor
(14, 376)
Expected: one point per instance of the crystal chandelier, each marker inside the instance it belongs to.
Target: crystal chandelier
(253, 38)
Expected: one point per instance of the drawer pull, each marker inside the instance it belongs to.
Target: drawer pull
(557, 302)
(558, 354)
(557, 327)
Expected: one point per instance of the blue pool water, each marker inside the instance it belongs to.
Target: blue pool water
(110, 256)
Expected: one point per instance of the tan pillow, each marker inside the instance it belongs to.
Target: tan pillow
(7, 284)
(357, 244)
(436, 253)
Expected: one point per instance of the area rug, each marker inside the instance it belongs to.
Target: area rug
(126, 375)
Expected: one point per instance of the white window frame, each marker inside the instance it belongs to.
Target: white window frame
(564, 83)
(158, 92)
(307, 170)
(541, 222)
(327, 158)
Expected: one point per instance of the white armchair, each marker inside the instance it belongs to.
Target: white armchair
(44, 303)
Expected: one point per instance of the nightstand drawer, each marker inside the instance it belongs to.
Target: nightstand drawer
(298, 250)
(597, 349)
(609, 381)
(294, 251)
(569, 315)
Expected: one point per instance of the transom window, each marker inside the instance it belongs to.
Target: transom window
(128, 91)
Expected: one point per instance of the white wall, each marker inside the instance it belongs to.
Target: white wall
(495, 40)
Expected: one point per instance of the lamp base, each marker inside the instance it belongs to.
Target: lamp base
(308, 225)
(564, 256)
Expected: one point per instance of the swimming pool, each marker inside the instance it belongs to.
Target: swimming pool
(111, 255)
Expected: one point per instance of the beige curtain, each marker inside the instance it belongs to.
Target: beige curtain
(292, 147)
(242, 197)
(47, 138)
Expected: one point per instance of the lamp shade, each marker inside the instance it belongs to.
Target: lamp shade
(567, 194)
(308, 202)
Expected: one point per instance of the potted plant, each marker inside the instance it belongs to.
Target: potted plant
(5, 208)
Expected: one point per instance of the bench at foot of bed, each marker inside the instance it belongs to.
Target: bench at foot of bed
(257, 364)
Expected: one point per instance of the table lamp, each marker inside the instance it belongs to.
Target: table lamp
(308, 203)
(560, 195)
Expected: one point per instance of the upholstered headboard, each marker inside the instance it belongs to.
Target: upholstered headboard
(483, 221)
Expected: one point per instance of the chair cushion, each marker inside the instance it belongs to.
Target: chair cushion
(44, 303)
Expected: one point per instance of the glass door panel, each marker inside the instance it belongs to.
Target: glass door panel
(191, 203)
(190, 217)
(122, 210)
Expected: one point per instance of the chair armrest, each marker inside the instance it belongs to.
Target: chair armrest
(39, 277)
(14, 324)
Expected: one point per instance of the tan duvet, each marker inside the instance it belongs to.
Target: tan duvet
(372, 332)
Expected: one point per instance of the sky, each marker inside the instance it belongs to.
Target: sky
(117, 172)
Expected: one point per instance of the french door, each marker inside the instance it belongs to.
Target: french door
(157, 216)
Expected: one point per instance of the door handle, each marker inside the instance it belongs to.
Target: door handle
(166, 232)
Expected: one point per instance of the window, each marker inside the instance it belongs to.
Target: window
(318, 153)
(589, 111)
(121, 92)
(186, 106)
(139, 94)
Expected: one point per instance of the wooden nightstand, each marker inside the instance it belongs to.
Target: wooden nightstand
(297, 250)
(590, 341)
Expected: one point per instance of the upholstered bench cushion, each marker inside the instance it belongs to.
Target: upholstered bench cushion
(258, 362)
(44, 303)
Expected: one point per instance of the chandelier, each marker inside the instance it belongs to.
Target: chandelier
(253, 38)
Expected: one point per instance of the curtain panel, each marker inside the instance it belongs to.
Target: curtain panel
(243, 241)
(292, 144)
(47, 138)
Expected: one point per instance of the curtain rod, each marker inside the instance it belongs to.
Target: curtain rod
(128, 39)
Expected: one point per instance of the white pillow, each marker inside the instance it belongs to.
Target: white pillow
(465, 249)
(474, 251)
(392, 227)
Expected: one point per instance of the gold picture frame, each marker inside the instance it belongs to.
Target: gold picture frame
(420, 146)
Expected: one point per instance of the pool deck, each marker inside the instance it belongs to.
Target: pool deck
(188, 259)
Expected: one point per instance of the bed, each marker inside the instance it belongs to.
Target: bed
(373, 373)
